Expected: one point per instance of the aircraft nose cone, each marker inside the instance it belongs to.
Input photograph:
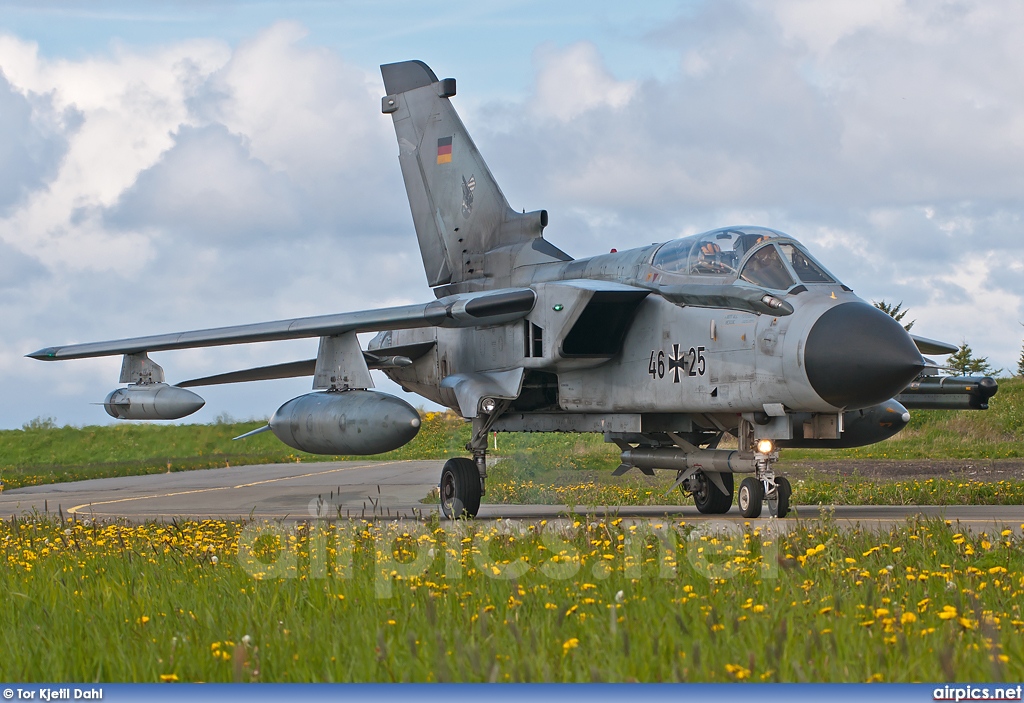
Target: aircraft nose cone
(856, 356)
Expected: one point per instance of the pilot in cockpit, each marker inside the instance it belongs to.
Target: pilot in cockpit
(711, 260)
(765, 268)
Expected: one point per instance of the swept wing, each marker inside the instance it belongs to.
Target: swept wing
(464, 310)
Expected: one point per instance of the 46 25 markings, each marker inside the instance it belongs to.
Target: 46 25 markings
(690, 363)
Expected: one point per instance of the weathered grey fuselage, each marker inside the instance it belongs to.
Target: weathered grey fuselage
(674, 363)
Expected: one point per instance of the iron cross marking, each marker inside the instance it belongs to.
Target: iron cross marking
(676, 363)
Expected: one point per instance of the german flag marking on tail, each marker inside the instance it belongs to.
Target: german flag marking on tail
(444, 150)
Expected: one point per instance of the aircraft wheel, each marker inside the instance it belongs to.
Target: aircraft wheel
(778, 500)
(460, 488)
(750, 497)
(708, 498)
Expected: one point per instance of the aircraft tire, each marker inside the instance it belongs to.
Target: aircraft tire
(778, 504)
(750, 497)
(711, 501)
(460, 488)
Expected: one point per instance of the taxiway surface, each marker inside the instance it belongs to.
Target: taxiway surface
(377, 489)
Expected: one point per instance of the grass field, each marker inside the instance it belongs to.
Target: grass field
(601, 601)
(561, 601)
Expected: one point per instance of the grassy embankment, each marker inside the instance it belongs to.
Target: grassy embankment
(602, 601)
(572, 469)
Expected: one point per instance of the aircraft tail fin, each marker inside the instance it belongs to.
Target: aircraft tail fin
(458, 209)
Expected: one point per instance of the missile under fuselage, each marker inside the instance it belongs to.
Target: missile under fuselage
(353, 422)
(152, 401)
(949, 393)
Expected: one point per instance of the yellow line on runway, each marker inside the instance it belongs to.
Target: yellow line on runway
(74, 510)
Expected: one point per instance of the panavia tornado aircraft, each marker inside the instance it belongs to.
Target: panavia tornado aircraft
(664, 349)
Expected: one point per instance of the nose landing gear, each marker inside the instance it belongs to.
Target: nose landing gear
(754, 492)
(778, 500)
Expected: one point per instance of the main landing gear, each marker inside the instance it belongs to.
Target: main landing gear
(463, 480)
(461, 488)
(707, 496)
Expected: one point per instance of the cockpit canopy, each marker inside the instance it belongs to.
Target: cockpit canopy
(749, 253)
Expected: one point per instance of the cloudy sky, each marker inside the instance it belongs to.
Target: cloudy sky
(195, 164)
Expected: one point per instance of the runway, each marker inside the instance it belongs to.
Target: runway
(370, 489)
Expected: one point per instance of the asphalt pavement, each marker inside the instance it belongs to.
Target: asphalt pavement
(372, 489)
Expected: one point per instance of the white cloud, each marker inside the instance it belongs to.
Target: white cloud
(844, 123)
(192, 185)
(303, 109)
(197, 184)
(820, 26)
(208, 189)
(33, 140)
(574, 80)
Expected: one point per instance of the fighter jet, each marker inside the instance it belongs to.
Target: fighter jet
(664, 349)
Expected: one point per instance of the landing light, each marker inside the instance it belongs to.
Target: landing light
(765, 446)
(488, 405)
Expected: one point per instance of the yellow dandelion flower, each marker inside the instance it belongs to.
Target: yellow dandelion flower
(739, 672)
(571, 643)
(168, 678)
